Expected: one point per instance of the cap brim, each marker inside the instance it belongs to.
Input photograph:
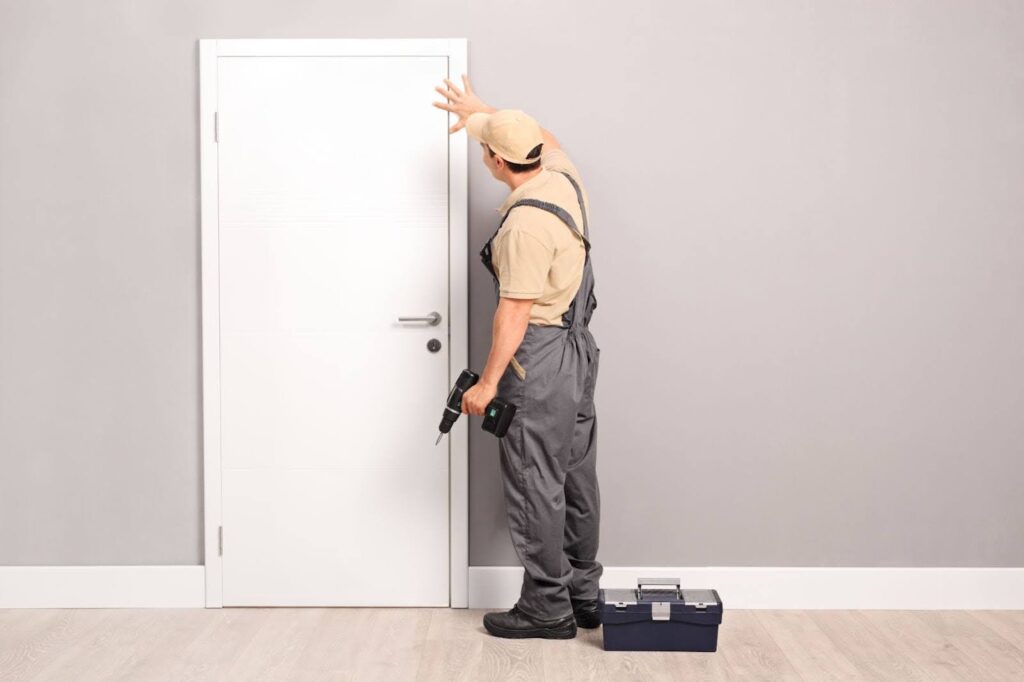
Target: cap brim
(475, 125)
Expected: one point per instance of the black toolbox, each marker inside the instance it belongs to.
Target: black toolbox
(659, 616)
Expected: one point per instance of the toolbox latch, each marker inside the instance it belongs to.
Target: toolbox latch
(661, 610)
(699, 599)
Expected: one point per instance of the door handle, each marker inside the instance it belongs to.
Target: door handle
(433, 319)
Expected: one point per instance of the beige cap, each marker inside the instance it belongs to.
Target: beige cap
(511, 133)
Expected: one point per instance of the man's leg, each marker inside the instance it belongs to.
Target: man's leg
(532, 462)
(534, 455)
(583, 500)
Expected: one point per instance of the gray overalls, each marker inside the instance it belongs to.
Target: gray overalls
(548, 456)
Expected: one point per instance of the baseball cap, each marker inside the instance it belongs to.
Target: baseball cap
(511, 133)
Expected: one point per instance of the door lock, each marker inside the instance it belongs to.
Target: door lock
(433, 345)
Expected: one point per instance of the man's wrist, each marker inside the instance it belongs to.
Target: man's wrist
(469, 118)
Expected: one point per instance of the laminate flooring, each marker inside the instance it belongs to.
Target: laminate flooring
(450, 644)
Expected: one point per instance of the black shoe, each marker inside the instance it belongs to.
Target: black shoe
(514, 624)
(587, 614)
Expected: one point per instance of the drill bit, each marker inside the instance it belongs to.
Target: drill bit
(439, 437)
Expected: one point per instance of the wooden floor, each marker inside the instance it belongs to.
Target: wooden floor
(443, 644)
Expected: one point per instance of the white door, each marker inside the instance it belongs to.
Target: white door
(333, 223)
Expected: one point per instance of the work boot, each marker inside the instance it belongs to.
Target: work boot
(587, 614)
(514, 624)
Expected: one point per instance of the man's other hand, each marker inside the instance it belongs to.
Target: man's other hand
(477, 398)
(461, 103)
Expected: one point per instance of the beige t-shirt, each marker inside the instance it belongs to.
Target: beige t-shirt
(535, 254)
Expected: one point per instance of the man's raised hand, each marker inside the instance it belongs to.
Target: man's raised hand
(461, 103)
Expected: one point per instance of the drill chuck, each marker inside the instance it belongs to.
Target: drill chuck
(448, 420)
(453, 408)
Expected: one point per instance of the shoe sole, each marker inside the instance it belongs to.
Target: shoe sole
(562, 632)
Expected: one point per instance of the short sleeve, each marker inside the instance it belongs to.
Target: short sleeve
(558, 160)
(522, 260)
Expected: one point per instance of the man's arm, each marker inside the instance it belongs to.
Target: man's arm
(464, 104)
(509, 327)
(550, 143)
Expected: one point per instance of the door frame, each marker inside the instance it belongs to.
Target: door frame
(454, 49)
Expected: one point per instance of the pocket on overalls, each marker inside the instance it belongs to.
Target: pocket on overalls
(591, 381)
(518, 369)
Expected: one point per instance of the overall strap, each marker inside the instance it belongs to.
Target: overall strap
(562, 214)
(579, 198)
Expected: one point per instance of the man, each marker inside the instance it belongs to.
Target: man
(544, 360)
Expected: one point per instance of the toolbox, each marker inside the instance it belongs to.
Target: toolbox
(659, 616)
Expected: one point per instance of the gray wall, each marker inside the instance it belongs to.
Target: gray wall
(809, 242)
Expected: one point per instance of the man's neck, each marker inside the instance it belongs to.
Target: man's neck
(516, 179)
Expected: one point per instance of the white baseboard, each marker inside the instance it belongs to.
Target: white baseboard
(102, 587)
(497, 587)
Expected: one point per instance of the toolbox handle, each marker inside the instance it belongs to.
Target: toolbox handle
(656, 582)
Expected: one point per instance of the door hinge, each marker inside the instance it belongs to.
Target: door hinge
(220, 540)
(216, 126)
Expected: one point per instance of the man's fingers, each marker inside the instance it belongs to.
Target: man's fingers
(448, 94)
(465, 84)
(446, 107)
(453, 87)
(457, 127)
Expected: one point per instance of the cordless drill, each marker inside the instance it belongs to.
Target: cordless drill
(497, 416)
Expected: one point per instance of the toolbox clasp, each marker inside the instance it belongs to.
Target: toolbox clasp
(699, 599)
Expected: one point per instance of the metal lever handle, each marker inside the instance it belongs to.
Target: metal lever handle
(433, 319)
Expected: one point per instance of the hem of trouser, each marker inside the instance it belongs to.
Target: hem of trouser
(519, 605)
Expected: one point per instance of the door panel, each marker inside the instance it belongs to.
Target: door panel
(333, 222)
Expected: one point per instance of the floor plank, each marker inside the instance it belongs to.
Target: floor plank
(1007, 624)
(67, 628)
(221, 642)
(120, 642)
(875, 657)
(453, 647)
(332, 651)
(19, 630)
(750, 652)
(926, 646)
(994, 656)
(810, 651)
